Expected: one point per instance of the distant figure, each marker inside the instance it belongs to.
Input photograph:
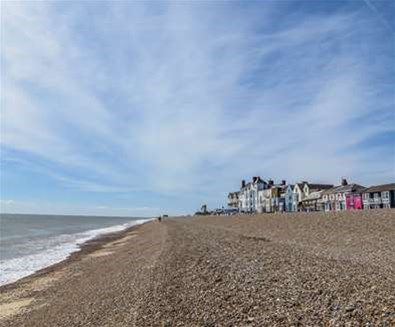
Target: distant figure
(159, 218)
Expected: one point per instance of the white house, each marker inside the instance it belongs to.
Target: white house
(298, 195)
(248, 196)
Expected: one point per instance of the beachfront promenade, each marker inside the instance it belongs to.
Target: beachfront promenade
(321, 269)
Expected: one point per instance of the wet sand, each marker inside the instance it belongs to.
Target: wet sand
(317, 269)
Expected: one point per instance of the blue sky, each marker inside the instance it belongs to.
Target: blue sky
(141, 108)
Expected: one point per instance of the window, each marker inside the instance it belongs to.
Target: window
(385, 195)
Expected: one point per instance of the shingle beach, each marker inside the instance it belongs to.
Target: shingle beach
(301, 269)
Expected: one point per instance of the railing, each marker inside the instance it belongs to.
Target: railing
(373, 201)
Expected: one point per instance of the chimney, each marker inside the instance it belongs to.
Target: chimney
(344, 182)
(283, 182)
(254, 179)
(243, 183)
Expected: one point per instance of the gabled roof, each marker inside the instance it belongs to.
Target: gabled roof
(380, 188)
(259, 180)
(300, 185)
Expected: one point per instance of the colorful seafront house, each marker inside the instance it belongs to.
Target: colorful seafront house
(380, 196)
(335, 199)
(288, 195)
(354, 201)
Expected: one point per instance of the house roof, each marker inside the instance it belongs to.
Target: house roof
(300, 185)
(380, 188)
(319, 186)
(247, 185)
(232, 194)
(345, 188)
(313, 196)
(259, 180)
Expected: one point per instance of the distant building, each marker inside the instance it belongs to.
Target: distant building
(288, 197)
(264, 198)
(278, 197)
(310, 188)
(380, 196)
(233, 199)
(313, 202)
(248, 195)
(335, 198)
(298, 195)
(303, 190)
(271, 198)
(354, 201)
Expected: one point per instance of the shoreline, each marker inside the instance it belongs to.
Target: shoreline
(18, 297)
(255, 270)
(82, 247)
(83, 250)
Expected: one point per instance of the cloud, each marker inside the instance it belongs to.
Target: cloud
(378, 14)
(181, 99)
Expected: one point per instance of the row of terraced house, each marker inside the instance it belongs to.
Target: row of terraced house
(261, 196)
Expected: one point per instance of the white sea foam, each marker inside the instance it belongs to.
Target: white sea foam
(54, 250)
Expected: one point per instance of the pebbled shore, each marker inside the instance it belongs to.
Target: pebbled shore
(316, 269)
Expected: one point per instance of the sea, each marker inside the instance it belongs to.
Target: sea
(29, 243)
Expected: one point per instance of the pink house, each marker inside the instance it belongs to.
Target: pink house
(354, 201)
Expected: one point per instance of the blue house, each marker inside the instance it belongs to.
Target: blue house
(289, 197)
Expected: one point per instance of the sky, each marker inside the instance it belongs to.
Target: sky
(145, 108)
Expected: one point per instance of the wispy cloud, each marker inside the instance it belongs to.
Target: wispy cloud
(379, 16)
(185, 99)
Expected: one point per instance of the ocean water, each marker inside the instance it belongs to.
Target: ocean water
(31, 242)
